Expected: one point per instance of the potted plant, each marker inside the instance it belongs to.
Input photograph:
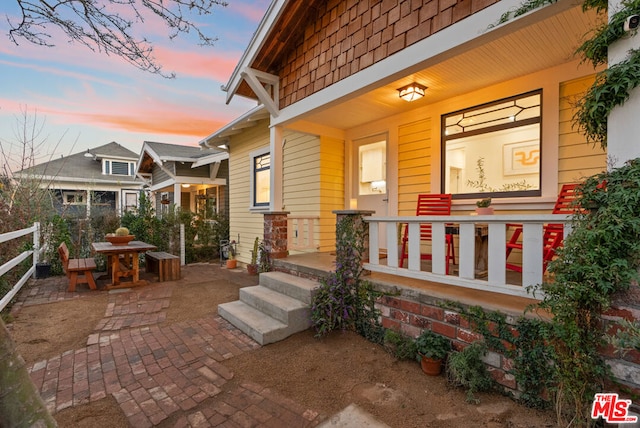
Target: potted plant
(431, 351)
(252, 268)
(231, 261)
(484, 207)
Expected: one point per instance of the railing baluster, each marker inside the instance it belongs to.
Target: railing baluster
(497, 253)
(374, 251)
(467, 250)
(414, 247)
(531, 254)
(437, 248)
(392, 248)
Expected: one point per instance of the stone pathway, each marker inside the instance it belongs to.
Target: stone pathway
(159, 371)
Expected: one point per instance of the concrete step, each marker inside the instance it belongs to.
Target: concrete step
(290, 311)
(293, 286)
(257, 325)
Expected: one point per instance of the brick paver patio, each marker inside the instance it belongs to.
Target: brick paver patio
(156, 371)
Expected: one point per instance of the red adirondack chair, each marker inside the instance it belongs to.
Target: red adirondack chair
(552, 233)
(430, 204)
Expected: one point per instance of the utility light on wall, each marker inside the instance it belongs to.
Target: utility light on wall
(412, 92)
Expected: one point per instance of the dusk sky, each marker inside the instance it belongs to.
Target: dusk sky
(83, 99)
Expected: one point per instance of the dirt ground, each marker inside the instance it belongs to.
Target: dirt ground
(325, 375)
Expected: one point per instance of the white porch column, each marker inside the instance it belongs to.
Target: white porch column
(177, 195)
(276, 148)
(88, 212)
(623, 126)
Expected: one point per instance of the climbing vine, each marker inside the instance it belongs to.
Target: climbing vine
(344, 301)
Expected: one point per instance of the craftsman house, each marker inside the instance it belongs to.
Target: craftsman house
(192, 178)
(365, 105)
(102, 178)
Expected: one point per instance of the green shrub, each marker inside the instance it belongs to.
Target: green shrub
(466, 369)
(399, 345)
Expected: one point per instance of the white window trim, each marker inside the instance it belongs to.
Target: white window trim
(131, 167)
(74, 193)
(252, 155)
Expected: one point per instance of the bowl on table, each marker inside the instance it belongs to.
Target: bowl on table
(119, 240)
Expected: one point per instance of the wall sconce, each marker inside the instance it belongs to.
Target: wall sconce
(412, 92)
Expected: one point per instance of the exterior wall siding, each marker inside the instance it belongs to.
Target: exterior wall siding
(332, 189)
(313, 176)
(349, 36)
(244, 226)
(414, 164)
(576, 158)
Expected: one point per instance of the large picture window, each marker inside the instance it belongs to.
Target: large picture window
(493, 149)
(260, 179)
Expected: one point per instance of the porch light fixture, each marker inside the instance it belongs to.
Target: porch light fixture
(412, 92)
(186, 185)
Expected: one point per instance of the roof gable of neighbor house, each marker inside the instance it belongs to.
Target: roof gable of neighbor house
(85, 166)
(162, 163)
(312, 45)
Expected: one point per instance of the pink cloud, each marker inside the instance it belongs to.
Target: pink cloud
(205, 64)
(251, 11)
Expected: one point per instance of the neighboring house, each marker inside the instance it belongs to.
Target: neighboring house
(198, 176)
(102, 178)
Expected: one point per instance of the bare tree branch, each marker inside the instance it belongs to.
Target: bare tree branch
(101, 25)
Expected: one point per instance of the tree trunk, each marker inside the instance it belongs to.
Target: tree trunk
(20, 403)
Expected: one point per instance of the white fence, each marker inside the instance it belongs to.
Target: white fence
(35, 252)
(301, 233)
(494, 278)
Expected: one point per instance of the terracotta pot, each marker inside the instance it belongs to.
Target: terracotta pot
(252, 269)
(232, 263)
(430, 366)
(484, 210)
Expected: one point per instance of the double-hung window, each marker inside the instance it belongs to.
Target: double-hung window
(493, 149)
(260, 178)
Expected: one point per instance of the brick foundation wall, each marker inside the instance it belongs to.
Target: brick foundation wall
(410, 318)
(348, 36)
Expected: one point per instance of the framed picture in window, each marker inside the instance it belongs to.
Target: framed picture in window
(521, 158)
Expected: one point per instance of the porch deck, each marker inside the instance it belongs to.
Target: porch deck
(319, 265)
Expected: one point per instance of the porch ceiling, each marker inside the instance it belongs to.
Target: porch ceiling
(497, 56)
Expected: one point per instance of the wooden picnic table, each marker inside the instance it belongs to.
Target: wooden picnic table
(123, 261)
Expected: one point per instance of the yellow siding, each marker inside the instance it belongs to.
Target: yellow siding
(314, 182)
(332, 184)
(242, 223)
(576, 158)
(313, 176)
(414, 164)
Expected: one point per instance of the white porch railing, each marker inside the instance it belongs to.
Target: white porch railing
(301, 233)
(35, 229)
(495, 279)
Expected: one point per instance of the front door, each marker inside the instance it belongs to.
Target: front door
(370, 177)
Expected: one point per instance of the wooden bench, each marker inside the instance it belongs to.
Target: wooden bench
(79, 271)
(165, 265)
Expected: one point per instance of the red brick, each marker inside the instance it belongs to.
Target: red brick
(433, 312)
(421, 322)
(400, 316)
(444, 329)
(391, 324)
(409, 306)
(503, 378)
(468, 336)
